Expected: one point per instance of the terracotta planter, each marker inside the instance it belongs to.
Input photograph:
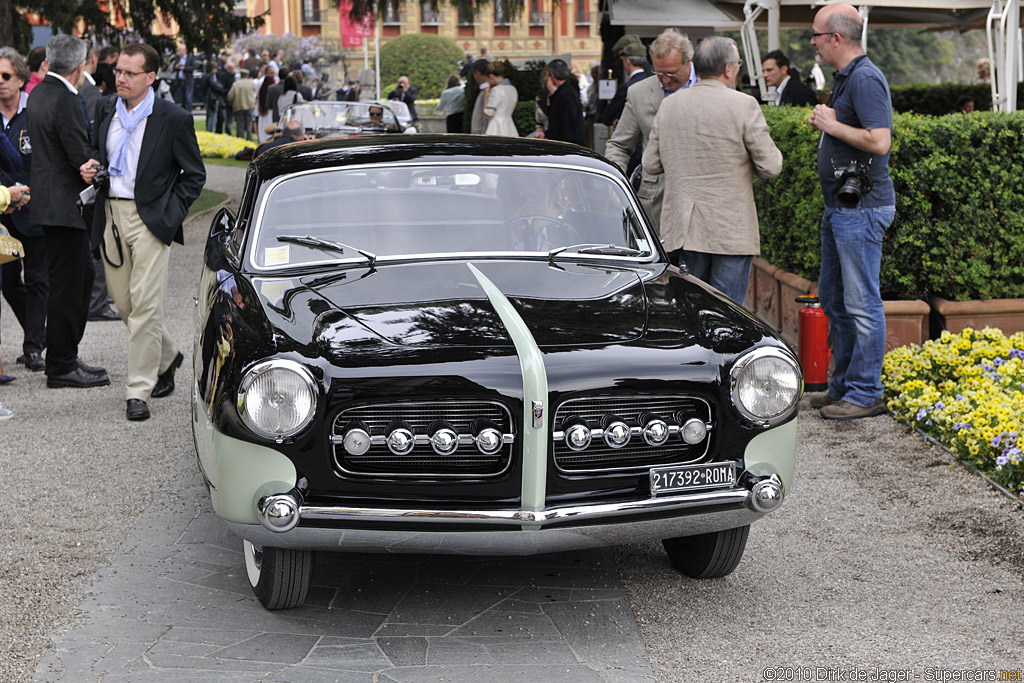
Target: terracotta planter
(906, 322)
(791, 286)
(766, 293)
(1005, 314)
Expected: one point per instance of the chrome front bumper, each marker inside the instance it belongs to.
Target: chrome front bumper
(520, 532)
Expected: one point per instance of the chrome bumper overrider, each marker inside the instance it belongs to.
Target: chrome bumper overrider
(559, 527)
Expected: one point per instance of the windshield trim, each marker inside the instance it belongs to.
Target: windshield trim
(255, 233)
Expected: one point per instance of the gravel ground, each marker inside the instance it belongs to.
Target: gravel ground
(886, 555)
(81, 469)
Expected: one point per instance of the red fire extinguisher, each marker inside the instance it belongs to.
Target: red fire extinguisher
(812, 344)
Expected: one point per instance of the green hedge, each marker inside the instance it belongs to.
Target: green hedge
(426, 59)
(959, 228)
(936, 100)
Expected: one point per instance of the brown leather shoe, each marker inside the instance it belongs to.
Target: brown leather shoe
(844, 410)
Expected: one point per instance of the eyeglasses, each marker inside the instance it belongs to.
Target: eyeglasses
(127, 74)
(825, 33)
(675, 76)
(738, 63)
(6, 76)
(376, 114)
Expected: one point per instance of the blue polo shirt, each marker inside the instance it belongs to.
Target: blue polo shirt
(861, 99)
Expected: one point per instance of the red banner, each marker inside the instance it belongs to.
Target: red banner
(352, 33)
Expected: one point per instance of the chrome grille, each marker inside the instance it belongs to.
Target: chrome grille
(636, 454)
(466, 461)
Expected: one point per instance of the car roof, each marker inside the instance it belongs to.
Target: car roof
(338, 153)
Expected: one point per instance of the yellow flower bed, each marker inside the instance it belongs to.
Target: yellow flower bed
(220, 146)
(967, 390)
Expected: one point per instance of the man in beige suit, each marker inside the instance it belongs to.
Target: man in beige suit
(709, 142)
(670, 54)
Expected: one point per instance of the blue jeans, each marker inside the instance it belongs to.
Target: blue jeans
(851, 260)
(727, 273)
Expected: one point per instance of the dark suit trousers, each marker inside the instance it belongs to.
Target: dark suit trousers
(28, 297)
(69, 257)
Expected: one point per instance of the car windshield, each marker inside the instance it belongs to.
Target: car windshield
(444, 210)
(325, 116)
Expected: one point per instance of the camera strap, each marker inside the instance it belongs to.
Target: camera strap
(117, 241)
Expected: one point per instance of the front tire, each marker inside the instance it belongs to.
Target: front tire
(708, 556)
(279, 577)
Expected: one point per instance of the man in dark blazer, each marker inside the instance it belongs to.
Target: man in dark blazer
(789, 89)
(565, 114)
(156, 171)
(182, 66)
(60, 145)
(634, 59)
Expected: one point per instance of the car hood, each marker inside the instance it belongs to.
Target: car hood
(443, 303)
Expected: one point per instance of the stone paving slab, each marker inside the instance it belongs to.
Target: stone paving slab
(174, 605)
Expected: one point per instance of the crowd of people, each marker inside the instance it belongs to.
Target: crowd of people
(677, 111)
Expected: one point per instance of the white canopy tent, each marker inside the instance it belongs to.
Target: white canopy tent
(1001, 19)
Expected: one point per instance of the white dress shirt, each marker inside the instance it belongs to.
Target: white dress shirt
(779, 89)
(123, 186)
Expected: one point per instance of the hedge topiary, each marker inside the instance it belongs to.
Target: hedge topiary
(959, 228)
(426, 59)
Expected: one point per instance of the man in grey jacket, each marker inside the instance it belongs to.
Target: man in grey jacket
(670, 54)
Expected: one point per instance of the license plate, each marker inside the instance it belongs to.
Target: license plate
(689, 477)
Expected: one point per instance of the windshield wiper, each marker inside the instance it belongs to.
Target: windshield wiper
(326, 245)
(599, 249)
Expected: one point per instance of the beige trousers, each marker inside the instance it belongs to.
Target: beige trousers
(139, 288)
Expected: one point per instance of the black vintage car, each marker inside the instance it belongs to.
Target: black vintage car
(470, 344)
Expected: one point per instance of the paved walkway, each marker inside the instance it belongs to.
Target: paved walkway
(175, 605)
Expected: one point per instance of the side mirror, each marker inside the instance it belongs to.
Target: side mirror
(223, 223)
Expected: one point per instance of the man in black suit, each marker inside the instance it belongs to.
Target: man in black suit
(182, 65)
(57, 128)
(565, 113)
(789, 89)
(156, 171)
(404, 92)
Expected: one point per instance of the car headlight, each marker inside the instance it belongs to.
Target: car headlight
(277, 398)
(766, 385)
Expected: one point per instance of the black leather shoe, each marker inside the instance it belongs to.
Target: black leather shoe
(92, 369)
(136, 410)
(107, 313)
(165, 380)
(33, 360)
(77, 378)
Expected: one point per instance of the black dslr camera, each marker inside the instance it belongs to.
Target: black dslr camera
(101, 181)
(854, 183)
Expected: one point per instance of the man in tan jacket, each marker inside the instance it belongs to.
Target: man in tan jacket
(710, 141)
(242, 100)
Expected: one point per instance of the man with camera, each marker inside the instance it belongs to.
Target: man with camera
(860, 204)
(148, 147)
